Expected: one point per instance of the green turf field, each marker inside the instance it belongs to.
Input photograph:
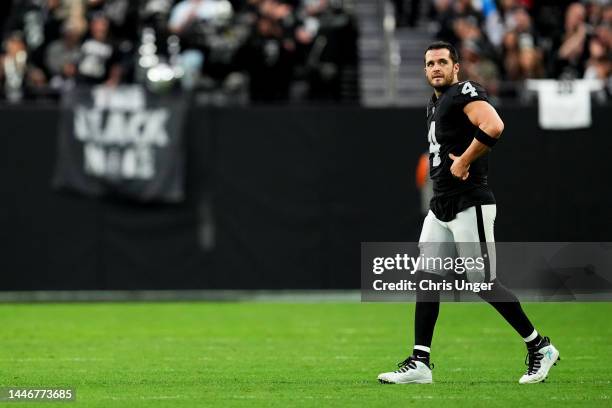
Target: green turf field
(266, 354)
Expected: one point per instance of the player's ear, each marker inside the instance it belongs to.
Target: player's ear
(456, 68)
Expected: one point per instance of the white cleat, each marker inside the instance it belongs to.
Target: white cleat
(411, 371)
(539, 362)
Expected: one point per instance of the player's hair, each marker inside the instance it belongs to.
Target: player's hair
(438, 45)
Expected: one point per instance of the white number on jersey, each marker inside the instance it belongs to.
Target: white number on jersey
(468, 88)
(434, 146)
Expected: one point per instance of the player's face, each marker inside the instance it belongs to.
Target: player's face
(439, 68)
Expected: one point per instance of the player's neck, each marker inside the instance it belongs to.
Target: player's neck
(440, 91)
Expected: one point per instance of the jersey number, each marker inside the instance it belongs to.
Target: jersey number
(434, 146)
(469, 89)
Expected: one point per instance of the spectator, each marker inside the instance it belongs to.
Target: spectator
(445, 16)
(604, 33)
(155, 13)
(467, 28)
(521, 60)
(594, 10)
(188, 12)
(493, 26)
(206, 30)
(508, 13)
(100, 60)
(269, 56)
(606, 15)
(327, 40)
(511, 60)
(20, 78)
(521, 57)
(40, 22)
(310, 20)
(598, 64)
(448, 12)
(477, 67)
(466, 9)
(573, 51)
(63, 54)
(122, 16)
(14, 67)
(549, 16)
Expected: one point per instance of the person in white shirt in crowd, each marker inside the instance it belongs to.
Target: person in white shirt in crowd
(186, 12)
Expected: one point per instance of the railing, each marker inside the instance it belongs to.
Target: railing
(392, 57)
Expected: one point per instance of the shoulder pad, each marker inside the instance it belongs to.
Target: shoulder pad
(469, 91)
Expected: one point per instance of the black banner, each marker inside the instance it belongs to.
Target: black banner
(122, 141)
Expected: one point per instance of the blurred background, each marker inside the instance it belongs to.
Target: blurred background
(299, 130)
(366, 52)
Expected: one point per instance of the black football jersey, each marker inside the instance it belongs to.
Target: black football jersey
(450, 131)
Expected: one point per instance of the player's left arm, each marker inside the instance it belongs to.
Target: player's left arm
(485, 117)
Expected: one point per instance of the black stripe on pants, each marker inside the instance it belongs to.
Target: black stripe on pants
(483, 243)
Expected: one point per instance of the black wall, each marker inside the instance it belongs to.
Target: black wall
(293, 192)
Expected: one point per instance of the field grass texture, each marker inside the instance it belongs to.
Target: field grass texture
(285, 354)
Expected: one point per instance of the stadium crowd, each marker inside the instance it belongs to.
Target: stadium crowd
(278, 50)
(274, 49)
(504, 41)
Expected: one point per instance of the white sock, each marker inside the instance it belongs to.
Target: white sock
(531, 336)
(422, 348)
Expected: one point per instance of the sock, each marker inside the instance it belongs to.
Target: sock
(421, 353)
(425, 316)
(533, 340)
(509, 307)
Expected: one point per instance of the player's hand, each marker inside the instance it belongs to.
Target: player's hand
(459, 168)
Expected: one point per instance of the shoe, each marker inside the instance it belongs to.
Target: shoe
(539, 361)
(411, 371)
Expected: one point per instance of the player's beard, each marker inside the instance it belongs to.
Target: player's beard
(442, 86)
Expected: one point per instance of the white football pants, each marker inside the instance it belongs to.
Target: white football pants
(469, 236)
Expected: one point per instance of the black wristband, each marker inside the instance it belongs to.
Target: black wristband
(485, 139)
